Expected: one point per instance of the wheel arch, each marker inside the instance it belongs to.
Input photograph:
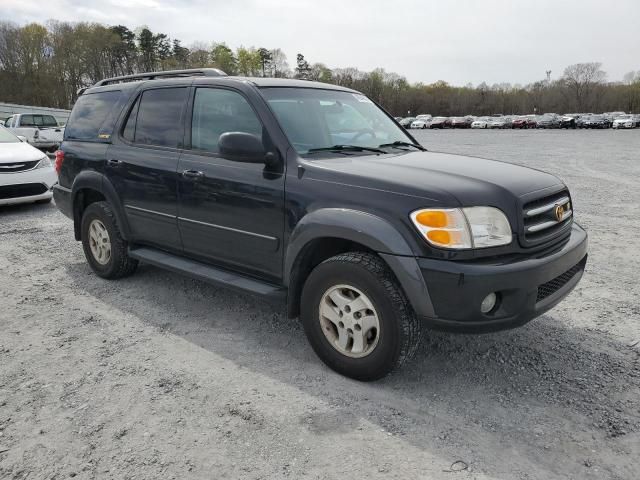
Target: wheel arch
(331, 231)
(90, 187)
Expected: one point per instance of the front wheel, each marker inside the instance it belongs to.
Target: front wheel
(103, 245)
(357, 318)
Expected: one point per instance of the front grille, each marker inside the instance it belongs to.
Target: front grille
(24, 190)
(14, 167)
(540, 223)
(552, 286)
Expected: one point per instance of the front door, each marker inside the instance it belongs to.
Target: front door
(143, 162)
(229, 213)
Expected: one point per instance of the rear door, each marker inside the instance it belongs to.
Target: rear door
(142, 163)
(230, 213)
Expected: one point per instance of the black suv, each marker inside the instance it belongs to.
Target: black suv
(313, 195)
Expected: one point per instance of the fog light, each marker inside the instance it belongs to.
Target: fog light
(488, 303)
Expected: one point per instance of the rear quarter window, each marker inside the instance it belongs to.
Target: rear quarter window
(93, 116)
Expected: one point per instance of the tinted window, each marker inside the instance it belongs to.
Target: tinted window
(129, 130)
(158, 120)
(216, 111)
(89, 114)
(27, 121)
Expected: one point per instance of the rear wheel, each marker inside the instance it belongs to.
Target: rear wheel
(357, 318)
(104, 247)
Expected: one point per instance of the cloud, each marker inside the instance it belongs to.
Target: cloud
(457, 41)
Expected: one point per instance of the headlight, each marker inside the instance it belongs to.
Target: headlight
(44, 163)
(471, 227)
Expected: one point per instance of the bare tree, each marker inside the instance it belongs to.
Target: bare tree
(583, 81)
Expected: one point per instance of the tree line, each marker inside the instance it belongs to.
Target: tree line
(45, 65)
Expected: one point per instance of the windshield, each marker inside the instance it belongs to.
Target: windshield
(7, 137)
(318, 119)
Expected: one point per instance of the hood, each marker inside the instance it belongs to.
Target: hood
(19, 152)
(452, 180)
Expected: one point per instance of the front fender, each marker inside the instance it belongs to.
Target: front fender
(90, 179)
(373, 232)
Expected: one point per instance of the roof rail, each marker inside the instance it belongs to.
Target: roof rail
(192, 72)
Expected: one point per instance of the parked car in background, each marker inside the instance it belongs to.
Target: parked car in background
(548, 121)
(424, 116)
(496, 122)
(41, 131)
(461, 122)
(625, 121)
(568, 121)
(26, 173)
(482, 122)
(438, 122)
(406, 122)
(421, 123)
(597, 121)
(532, 121)
(397, 119)
(520, 122)
(582, 119)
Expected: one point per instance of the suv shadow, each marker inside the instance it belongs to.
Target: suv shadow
(531, 379)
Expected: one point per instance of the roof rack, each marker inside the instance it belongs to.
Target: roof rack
(192, 72)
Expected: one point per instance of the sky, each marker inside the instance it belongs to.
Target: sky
(458, 41)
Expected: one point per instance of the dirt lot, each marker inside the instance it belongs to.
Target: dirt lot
(159, 376)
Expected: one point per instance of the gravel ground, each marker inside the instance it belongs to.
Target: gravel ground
(159, 376)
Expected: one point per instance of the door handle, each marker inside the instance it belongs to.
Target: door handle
(112, 162)
(192, 174)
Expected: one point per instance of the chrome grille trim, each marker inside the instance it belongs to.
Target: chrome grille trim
(552, 223)
(545, 208)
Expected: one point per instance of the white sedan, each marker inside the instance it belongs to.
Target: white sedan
(421, 123)
(624, 121)
(26, 174)
(482, 122)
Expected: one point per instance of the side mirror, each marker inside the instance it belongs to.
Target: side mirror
(242, 147)
(22, 139)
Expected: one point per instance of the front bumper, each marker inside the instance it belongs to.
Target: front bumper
(26, 187)
(526, 288)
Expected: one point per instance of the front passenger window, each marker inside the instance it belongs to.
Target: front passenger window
(217, 111)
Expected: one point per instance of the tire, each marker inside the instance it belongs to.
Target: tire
(115, 264)
(398, 334)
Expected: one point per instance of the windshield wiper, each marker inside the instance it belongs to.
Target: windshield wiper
(400, 143)
(345, 148)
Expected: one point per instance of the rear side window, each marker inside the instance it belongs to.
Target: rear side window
(27, 121)
(157, 115)
(90, 113)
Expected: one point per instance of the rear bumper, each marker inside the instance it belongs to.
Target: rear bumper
(44, 143)
(526, 288)
(62, 197)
